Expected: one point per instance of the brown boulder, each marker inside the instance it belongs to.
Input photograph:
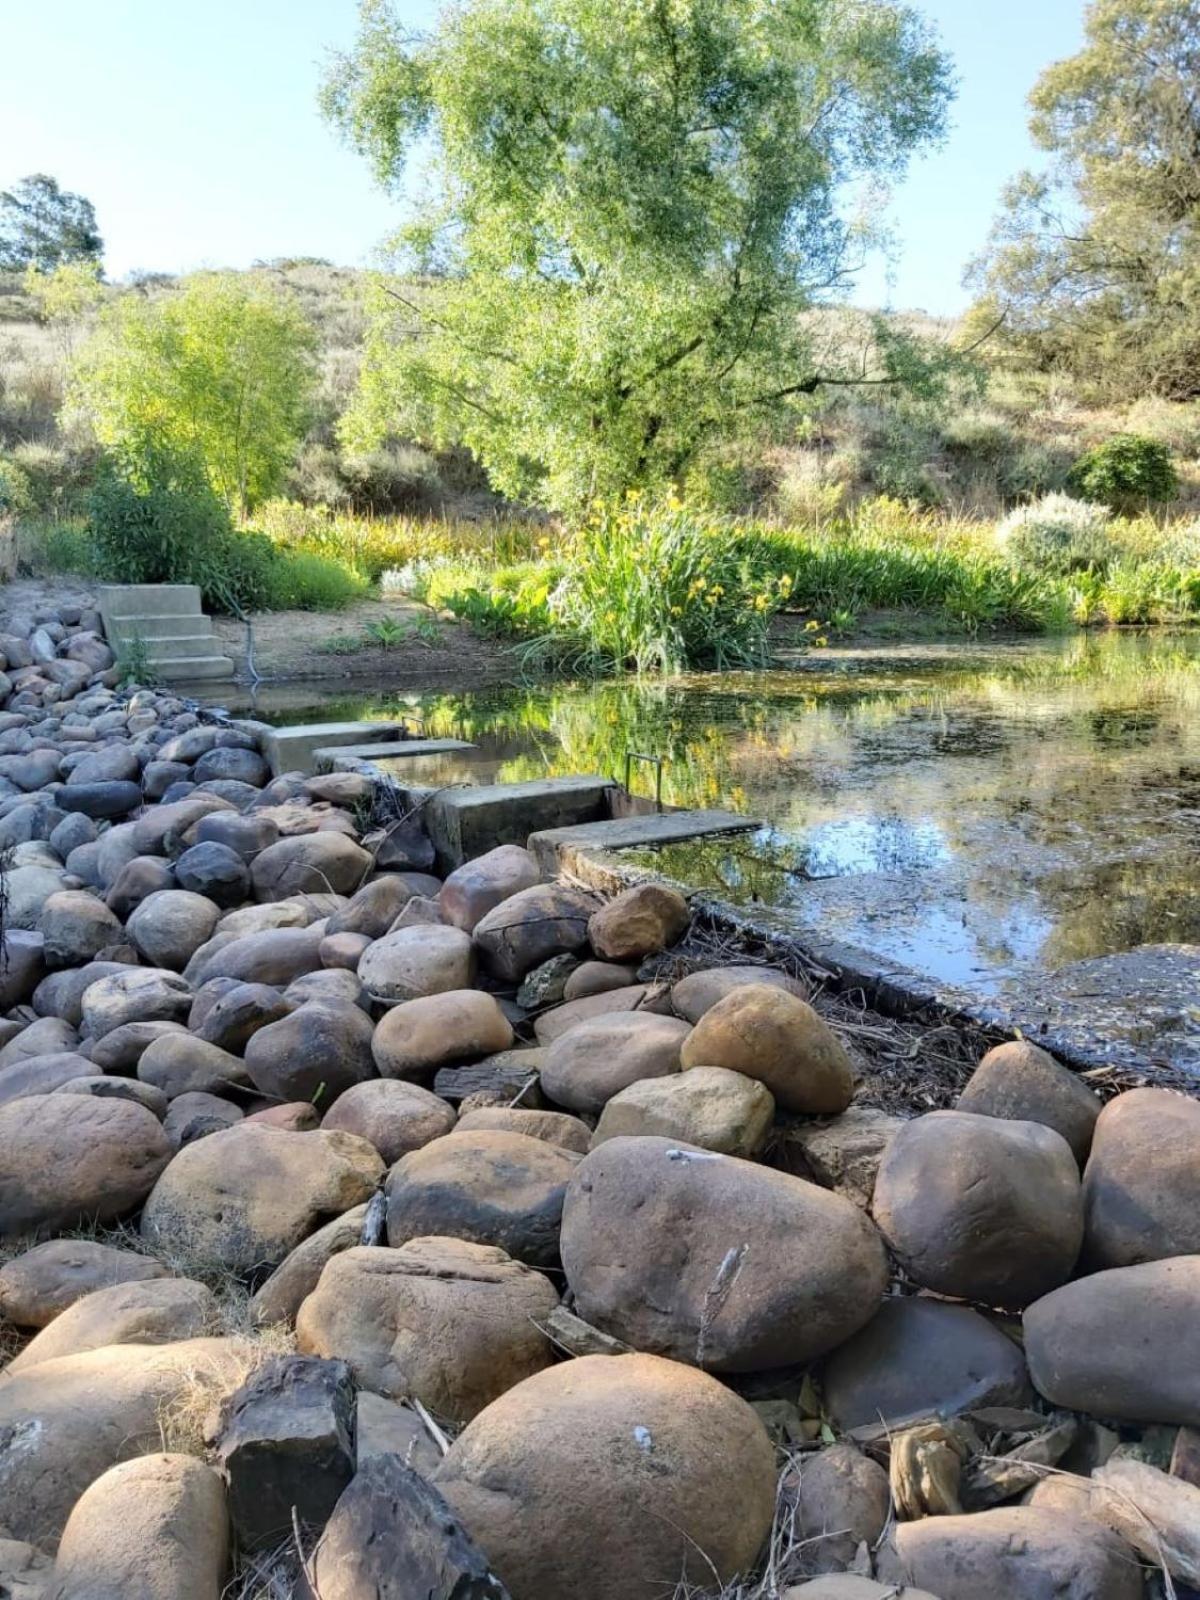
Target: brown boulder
(40, 1284)
(1141, 1189)
(528, 928)
(414, 1039)
(556, 1127)
(479, 886)
(981, 1208)
(769, 1271)
(297, 1275)
(699, 992)
(316, 1053)
(75, 927)
(843, 1501)
(652, 998)
(157, 1311)
(395, 1117)
(179, 1063)
(586, 1067)
(708, 1107)
(139, 994)
(841, 1154)
(236, 1013)
(591, 978)
(638, 922)
(170, 926)
(608, 1477)
(309, 863)
(275, 957)
(415, 962)
(373, 908)
(1022, 1083)
(766, 1033)
(448, 1322)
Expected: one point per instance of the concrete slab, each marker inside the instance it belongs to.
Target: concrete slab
(555, 846)
(149, 600)
(293, 749)
(394, 750)
(465, 822)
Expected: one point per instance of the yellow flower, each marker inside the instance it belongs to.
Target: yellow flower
(811, 627)
(821, 642)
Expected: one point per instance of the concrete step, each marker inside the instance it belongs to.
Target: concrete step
(394, 750)
(188, 644)
(558, 847)
(185, 669)
(161, 627)
(149, 599)
(465, 822)
(294, 749)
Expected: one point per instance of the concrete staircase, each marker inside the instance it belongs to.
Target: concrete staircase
(168, 620)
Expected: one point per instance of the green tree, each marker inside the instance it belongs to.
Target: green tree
(65, 297)
(222, 367)
(1095, 262)
(43, 226)
(637, 207)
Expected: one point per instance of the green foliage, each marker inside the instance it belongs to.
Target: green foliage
(42, 226)
(1127, 470)
(300, 581)
(1095, 263)
(15, 491)
(637, 206)
(60, 545)
(221, 368)
(1057, 535)
(133, 662)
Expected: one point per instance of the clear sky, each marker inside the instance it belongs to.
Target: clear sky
(192, 126)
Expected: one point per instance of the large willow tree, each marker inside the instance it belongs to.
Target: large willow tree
(1095, 262)
(635, 204)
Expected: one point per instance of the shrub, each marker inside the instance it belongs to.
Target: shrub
(59, 546)
(303, 582)
(1056, 535)
(393, 477)
(15, 496)
(1128, 470)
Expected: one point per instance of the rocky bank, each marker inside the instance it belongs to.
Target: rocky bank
(372, 1234)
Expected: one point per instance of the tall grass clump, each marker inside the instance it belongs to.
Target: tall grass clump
(1057, 535)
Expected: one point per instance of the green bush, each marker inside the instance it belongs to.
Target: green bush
(56, 545)
(298, 581)
(1128, 470)
(15, 496)
(1057, 535)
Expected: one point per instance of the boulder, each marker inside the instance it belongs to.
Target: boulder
(1141, 1189)
(1023, 1083)
(40, 1284)
(22, 965)
(1019, 1551)
(170, 926)
(448, 1322)
(237, 1012)
(309, 863)
(415, 962)
(981, 1208)
(114, 761)
(121, 1050)
(297, 1275)
(373, 908)
(849, 1586)
(529, 927)
(154, 1528)
(316, 1053)
(41, 1075)
(479, 886)
(238, 766)
(28, 888)
(216, 871)
(295, 1117)
(154, 1311)
(387, 1428)
(247, 1196)
(136, 881)
(75, 927)
(586, 1067)
(336, 988)
(766, 1033)
(546, 985)
(638, 922)
(502, 1189)
(589, 978)
(246, 836)
(69, 1159)
(274, 957)
(48, 1036)
(920, 1358)
(556, 1127)
(179, 1063)
(102, 1087)
(195, 1115)
(608, 1477)
(139, 994)
(61, 994)
(393, 1116)
(25, 1571)
(841, 1154)
(654, 999)
(1117, 1343)
(699, 992)
(343, 951)
(708, 1107)
(769, 1271)
(843, 1501)
(414, 1039)
(160, 829)
(101, 800)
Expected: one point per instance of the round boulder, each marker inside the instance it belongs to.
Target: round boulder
(155, 1311)
(531, 926)
(638, 922)
(395, 1117)
(708, 1106)
(310, 863)
(415, 962)
(768, 1271)
(315, 1053)
(699, 991)
(414, 1039)
(1141, 1189)
(139, 994)
(170, 926)
(556, 1127)
(843, 1501)
(585, 1067)
(607, 1477)
(479, 886)
(766, 1033)
(1022, 1083)
(981, 1208)
(39, 1284)
(75, 927)
(179, 1063)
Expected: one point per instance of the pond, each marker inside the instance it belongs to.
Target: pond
(974, 813)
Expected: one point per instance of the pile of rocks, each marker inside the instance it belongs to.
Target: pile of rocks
(551, 1266)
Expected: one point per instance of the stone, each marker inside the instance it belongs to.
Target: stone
(393, 1537)
(315, 1053)
(374, 907)
(241, 766)
(153, 1311)
(45, 1037)
(61, 993)
(416, 962)
(40, 1075)
(842, 1154)
(139, 994)
(849, 1586)
(588, 978)
(608, 1477)
(28, 888)
(160, 829)
(33, 770)
(137, 880)
(101, 800)
(40, 1284)
(170, 926)
(699, 992)
(1113, 1343)
(766, 1033)
(116, 762)
(981, 1208)
(919, 1358)
(1141, 1188)
(73, 831)
(311, 862)
(1019, 1551)
(158, 776)
(154, 1528)
(22, 965)
(325, 987)
(586, 1067)
(510, 1078)
(414, 1039)
(843, 1501)
(394, 1116)
(546, 985)
(295, 1117)
(195, 1115)
(247, 1196)
(708, 1107)
(530, 927)
(638, 922)
(387, 1428)
(102, 1087)
(479, 886)
(286, 1447)
(502, 1189)
(297, 1275)
(653, 999)
(275, 957)
(179, 1064)
(449, 1323)
(1023, 1083)
(556, 1127)
(237, 1014)
(24, 1570)
(343, 951)
(216, 871)
(64, 1422)
(75, 927)
(769, 1271)
(246, 836)
(1156, 1513)
(69, 1159)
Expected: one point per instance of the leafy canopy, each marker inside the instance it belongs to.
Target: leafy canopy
(221, 368)
(636, 204)
(1096, 261)
(43, 226)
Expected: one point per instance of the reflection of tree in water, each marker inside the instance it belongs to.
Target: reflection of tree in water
(1123, 905)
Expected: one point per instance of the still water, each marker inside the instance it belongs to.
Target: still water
(974, 813)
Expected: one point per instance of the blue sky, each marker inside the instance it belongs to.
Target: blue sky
(192, 126)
